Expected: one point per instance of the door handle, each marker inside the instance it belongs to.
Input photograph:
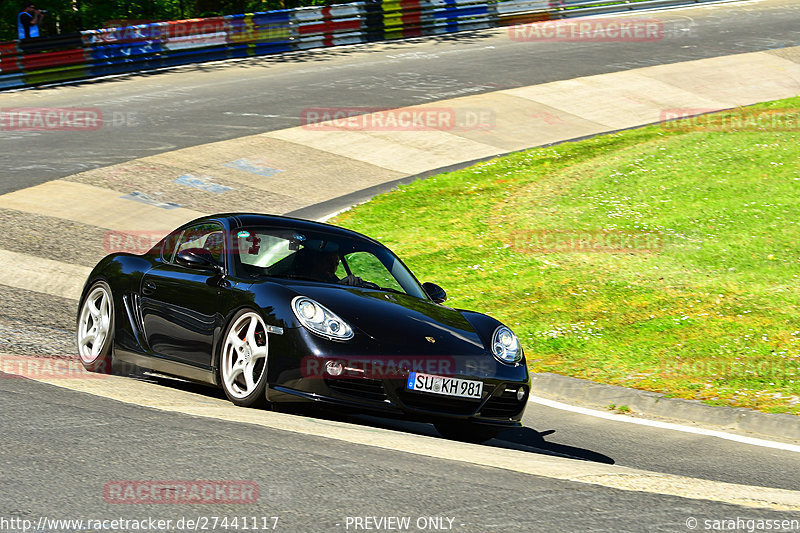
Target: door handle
(148, 288)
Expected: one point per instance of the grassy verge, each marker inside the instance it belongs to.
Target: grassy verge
(659, 258)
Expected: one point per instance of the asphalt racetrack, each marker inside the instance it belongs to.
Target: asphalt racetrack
(63, 445)
(163, 111)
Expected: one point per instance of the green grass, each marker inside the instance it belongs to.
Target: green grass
(707, 309)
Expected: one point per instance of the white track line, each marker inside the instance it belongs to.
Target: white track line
(665, 425)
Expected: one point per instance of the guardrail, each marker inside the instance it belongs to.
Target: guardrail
(94, 53)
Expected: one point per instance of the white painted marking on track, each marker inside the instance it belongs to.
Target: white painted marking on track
(665, 425)
(253, 115)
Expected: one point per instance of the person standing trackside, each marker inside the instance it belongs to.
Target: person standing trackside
(28, 21)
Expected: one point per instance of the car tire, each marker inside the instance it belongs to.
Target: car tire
(466, 431)
(95, 328)
(243, 360)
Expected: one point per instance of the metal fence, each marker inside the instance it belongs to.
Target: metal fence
(94, 53)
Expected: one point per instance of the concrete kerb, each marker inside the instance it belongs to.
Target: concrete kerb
(323, 211)
(585, 393)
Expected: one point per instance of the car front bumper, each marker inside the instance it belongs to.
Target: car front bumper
(498, 405)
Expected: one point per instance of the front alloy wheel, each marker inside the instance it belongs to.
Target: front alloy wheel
(96, 328)
(243, 364)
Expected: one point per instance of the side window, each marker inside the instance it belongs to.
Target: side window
(207, 236)
(170, 243)
(369, 268)
(260, 249)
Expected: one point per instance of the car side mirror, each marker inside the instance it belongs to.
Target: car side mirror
(198, 259)
(435, 292)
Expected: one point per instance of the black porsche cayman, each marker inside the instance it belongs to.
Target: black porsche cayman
(275, 309)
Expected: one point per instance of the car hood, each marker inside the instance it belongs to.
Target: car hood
(398, 323)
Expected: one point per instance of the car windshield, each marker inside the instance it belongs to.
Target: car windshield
(321, 257)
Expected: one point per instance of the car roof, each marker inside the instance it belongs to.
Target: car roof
(238, 220)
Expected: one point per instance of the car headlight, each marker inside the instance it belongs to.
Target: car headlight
(505, 346)
(320, 320)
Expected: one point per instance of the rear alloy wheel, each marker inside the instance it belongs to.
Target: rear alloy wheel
(466, 431)
(96, 328)
(243, 362)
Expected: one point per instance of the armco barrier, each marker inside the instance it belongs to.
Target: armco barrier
(449, 16)
(329, 26)
(187, 41)
(373, 20)
(403, 18)
(107, 51)
(514, 12)
(260, 33)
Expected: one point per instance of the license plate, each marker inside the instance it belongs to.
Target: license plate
(463, 388)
